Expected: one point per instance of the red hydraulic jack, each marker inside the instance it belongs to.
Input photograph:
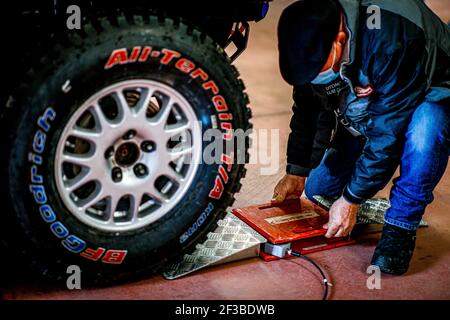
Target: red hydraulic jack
(295, 225)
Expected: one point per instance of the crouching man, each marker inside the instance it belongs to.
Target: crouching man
(382, 97)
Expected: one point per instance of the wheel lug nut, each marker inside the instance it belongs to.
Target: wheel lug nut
(117, 174)
(148, 146)
(129, 135)
(140, 170)
(109, 153)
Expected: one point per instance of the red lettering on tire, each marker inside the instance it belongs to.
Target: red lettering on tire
(119, 56)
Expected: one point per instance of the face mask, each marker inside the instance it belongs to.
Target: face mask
(328, 75)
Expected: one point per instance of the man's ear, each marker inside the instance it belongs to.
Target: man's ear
(341, 39)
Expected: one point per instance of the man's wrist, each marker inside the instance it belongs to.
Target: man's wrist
(297, 170)
(350, 197)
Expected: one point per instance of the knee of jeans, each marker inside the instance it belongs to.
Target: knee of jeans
(429, 127)
(311, 189)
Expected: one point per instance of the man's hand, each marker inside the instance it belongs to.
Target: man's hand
(289, 187)
(342, 218)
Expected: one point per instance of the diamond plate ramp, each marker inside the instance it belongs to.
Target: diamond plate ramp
(232, 240)
(371, 211)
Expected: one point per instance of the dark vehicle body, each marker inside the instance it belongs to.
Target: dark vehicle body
(167, 58)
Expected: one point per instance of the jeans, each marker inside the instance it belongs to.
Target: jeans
(422, 165)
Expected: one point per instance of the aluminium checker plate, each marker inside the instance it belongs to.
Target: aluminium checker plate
(232, 240)
(371, 211)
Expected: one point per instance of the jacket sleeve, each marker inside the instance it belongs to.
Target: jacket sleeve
(395, 68)
(311, 127)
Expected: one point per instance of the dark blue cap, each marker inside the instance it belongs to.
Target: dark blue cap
(306, 31)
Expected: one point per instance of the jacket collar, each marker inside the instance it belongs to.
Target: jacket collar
(351, 10)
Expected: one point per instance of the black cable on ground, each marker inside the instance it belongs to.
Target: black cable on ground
(325, 280)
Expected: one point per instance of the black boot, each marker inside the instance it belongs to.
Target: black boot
(394, 250)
